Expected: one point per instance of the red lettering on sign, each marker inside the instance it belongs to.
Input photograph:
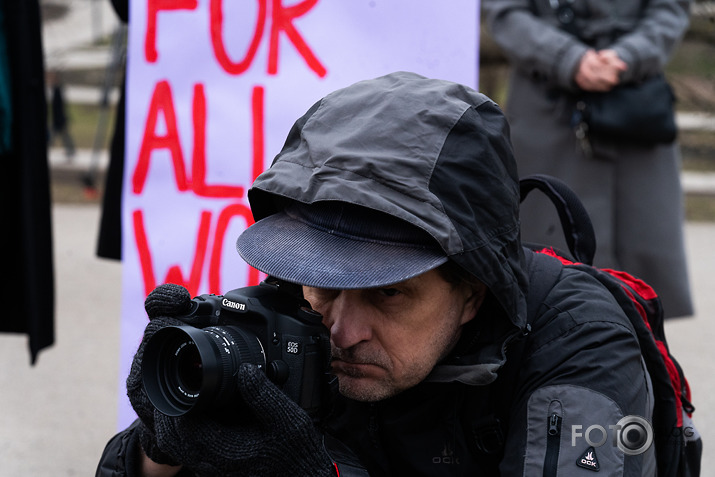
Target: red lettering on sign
(161, 102)
(257, 108)
(217, 38)
(145, 261)
(233, 210)
(282, 20)
(198, 163)
(174, 274)
(153, 9)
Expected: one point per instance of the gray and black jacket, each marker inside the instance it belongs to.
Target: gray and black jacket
(525, 383)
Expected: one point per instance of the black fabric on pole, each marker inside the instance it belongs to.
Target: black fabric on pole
(29, 273)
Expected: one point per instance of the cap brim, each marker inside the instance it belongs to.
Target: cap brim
(291, 250)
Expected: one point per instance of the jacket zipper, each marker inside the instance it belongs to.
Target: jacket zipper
(553, 439)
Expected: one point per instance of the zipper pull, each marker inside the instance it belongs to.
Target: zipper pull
(553, 437)
(554, 424)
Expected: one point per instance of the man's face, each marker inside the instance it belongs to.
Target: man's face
(386, 340)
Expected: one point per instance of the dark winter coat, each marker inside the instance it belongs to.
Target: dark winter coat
(29, 267)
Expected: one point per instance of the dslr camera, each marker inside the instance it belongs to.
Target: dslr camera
(195, 366)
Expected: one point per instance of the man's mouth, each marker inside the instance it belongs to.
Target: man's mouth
(352, 369)
(353, 366)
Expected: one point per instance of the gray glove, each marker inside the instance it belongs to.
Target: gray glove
(264, 433)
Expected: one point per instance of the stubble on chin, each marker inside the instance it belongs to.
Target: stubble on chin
(362, 375)
(364, 389)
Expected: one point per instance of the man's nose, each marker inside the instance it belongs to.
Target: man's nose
(349, 320)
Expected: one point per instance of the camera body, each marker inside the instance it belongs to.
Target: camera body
(195, 366)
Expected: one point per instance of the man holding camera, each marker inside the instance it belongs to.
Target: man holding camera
(394, 204)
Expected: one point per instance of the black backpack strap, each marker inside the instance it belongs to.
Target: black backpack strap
(575, 221)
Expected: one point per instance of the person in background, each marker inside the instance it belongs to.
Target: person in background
(557, 49)
(59, 123)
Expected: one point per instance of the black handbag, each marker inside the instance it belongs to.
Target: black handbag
(640, 113)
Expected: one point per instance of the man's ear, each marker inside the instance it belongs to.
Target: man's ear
(475, 298)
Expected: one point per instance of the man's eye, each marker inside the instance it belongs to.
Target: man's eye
(389, 291)
(320, 294)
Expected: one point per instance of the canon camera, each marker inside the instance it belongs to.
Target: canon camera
(195, 366)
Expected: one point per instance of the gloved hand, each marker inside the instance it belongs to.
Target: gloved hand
(164, 302)
(264, 433)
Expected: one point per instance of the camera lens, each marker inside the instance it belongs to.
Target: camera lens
(188, 368)
(185, 367)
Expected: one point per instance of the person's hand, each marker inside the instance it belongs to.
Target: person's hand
(264, 433)
(599, 71)
(164, 302)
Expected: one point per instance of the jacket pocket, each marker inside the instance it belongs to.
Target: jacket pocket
(566, 424)
(553, 439)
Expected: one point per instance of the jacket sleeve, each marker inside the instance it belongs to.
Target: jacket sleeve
(530, 36)
(121, 456)
(648, 47)
(582, 382)
(538, 48)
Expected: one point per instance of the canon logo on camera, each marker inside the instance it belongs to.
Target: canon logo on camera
(233, 304)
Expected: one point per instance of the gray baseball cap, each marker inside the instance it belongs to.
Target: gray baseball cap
(338, 245)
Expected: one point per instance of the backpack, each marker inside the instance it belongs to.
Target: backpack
(678, 445)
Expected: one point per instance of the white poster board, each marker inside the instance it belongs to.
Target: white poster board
(213, 88)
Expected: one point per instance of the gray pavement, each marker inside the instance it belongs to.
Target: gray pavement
(58, 415)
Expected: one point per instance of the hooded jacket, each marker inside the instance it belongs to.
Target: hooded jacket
(530, 373)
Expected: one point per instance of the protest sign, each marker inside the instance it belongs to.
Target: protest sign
(213, 88)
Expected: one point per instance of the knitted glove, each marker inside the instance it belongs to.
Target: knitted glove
(162, 303)
(264, 434)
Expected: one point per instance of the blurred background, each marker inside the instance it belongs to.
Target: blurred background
(58, 414)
